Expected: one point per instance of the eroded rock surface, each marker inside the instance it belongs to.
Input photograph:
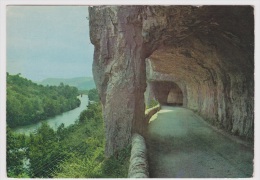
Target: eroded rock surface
(208, 51)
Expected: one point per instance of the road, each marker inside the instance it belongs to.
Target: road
(182, 145)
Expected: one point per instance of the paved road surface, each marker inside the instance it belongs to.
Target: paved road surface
(181, 144)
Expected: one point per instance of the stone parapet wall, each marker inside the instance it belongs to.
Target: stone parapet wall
(138, 167)
(150, 112)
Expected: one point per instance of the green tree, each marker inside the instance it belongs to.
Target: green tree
(93, 95)
(15, 155)
(45, 151)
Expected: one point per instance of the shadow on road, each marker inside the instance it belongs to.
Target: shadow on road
(181, 145)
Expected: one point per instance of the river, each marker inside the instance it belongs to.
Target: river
(67, 118)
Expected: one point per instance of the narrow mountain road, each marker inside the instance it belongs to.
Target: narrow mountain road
(182, 145)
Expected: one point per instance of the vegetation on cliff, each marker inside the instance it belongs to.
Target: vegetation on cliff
(93, 95)
(28, 102)
(88, 161)
(152, 103)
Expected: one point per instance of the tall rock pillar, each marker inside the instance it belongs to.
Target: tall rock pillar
(119, 71)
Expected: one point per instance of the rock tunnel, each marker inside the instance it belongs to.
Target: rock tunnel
(200, 56)
(167, 93)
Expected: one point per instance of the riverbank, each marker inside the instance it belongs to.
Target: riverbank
(67, 118)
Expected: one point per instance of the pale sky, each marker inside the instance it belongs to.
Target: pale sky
(48, 41)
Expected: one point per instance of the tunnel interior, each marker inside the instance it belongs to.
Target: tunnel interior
(167, 93)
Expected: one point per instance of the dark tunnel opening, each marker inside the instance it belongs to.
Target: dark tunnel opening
(167, 93)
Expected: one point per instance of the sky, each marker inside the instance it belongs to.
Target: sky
(48, 42)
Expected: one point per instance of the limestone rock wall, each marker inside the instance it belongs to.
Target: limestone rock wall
(208, 51)
(219, 85)
(175, 96)
(119, 71)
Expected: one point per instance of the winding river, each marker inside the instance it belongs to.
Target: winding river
(67, 118)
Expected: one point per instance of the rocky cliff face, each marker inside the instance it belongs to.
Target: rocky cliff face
(207, 51)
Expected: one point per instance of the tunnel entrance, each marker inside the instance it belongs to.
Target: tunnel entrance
(208, 51)
(167, 93)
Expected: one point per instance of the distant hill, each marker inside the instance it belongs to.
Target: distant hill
(82, 83)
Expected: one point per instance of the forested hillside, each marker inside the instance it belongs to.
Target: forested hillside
(82, 83)
(76, 151)
(28, 102)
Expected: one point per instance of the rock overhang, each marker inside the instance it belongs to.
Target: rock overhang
(207, 50)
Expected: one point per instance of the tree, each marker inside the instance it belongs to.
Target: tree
(15, 154)
(93, 95)
(45, 151)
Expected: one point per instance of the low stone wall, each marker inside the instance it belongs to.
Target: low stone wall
(138, 167)
(150, 112)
